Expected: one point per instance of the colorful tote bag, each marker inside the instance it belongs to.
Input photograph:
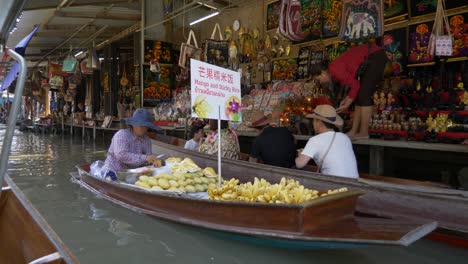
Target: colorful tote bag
(361, 20)
(217, 51)
(189, 51)
(439, 43)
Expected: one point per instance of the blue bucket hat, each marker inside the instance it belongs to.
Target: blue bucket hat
(142, 117)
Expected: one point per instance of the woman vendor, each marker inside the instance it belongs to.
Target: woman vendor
(131, 147)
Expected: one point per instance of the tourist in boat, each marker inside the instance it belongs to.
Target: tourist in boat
(331, 150)
(229, 142)
(274, 145)
(131, 147)
(196, 134)
(361, 68)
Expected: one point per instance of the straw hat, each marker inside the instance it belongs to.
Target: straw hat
(326, 113)
(259, 119)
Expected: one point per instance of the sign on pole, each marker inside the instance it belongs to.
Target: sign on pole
(215, 94)
(214, 87)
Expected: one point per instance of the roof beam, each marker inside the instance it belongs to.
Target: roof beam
(69, 27)
(80, 3)
(83, 34)
(102, 15)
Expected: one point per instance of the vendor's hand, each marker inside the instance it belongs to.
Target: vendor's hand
(344, 105)
(151, 159)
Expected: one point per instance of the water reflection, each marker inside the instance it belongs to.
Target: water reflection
(98, 231)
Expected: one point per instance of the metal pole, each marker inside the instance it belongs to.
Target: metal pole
(142, 52)
(13, 113)
(219, 145)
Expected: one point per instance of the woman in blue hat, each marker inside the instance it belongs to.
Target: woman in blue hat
(131, 147)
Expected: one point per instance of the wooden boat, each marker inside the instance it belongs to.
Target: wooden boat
(325, 222)
(385, 197)
(25, 237)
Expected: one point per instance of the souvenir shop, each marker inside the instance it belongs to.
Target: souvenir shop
(424, 99)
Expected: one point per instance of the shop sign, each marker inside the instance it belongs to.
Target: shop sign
(215, 90)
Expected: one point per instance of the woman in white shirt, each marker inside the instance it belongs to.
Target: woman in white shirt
(196, 133)
(332, 151)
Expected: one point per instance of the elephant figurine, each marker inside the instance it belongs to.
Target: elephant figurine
(359, 22)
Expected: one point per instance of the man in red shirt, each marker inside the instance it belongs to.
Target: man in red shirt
(345, 70)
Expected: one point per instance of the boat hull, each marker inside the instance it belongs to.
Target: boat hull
(326, 222)
(24, 235)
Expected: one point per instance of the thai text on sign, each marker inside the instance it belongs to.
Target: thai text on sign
(213, 86)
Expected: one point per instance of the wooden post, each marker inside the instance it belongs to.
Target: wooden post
(376, 160)
(94, 130)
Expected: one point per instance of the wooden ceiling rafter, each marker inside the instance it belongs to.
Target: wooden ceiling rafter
(102, 15)
(87, 3)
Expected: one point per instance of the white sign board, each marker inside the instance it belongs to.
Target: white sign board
(213, 86)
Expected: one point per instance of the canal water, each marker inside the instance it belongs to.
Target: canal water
(98, 231)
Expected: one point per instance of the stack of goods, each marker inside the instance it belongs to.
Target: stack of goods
(185, 176)
(157, 90)
(284, 100)
(261, 191)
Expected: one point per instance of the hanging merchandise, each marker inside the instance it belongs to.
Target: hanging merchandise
(84, 67)
(69, 64)
(189, 51)
(124, 80)
(289, 21)
(439, 43)
(217, 51)
(361, 20)
(154, 66)
(93, 59)
(55, 75)
(331, 17)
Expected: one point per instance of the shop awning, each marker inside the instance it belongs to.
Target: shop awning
(21, 49)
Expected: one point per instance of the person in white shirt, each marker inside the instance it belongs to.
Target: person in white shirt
(196, 133)
(332, 151)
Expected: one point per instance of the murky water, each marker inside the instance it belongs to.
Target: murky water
(98, 231)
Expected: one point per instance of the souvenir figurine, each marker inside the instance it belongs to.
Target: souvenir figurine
(268, 45)
(227, 33)
(288, 50)
(390, 101)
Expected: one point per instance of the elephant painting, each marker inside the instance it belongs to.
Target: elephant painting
(359, 23)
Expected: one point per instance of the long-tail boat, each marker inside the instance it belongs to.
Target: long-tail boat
(25, 237)
(384, 196)
(326, 222)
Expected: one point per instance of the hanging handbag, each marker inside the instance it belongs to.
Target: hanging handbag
(189, 51)
(439, 43)
(217, 51)
(69, 64)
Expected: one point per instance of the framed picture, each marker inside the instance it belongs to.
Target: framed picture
(361, 20)
(273, 12)
(423, 7)
(311, 19)
(419, 42)
(331, 17)
(158, 51)
(450, 4)
(395, 8)
(284, 69)
(333, 51)
(107, 121)
(303, 63)
(459, 30)
(395, 43)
